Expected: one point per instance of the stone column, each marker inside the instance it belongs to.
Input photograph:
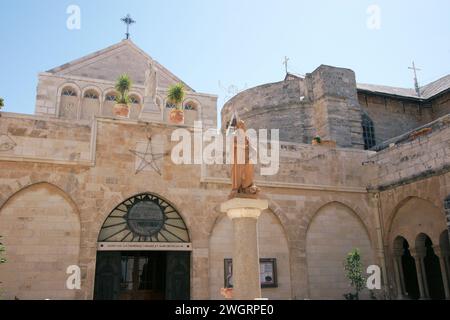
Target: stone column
(442, 258)
(399, 282)
(244, 213)
(418, 258)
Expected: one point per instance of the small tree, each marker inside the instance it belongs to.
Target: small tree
(123, 86)
(353, 267)
(2, 103)
(175, 94)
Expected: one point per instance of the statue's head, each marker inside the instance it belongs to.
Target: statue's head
(240, 125)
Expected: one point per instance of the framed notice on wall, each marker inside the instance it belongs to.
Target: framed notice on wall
(267, 273)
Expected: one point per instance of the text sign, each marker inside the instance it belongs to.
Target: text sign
(144, 246)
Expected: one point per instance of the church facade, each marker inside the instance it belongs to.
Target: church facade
(81, 187)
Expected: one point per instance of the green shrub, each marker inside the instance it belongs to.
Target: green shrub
(175, 94)
(353, 267)
(123, 86)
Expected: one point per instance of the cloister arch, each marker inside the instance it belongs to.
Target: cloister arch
(420, 225)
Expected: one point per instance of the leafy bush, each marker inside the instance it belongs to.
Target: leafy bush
(354, 269)
(2, 103)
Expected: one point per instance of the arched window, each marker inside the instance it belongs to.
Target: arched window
(111, 97)
(170, 105)
(144, 218)
(69, 92)
(135, 99)
(368, 132)
(91, 94)
(190, 105)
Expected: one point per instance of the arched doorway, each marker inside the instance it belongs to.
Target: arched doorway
(143, 252)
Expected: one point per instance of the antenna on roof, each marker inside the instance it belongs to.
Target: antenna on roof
(416, 82)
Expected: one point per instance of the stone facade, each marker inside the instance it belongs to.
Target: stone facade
(324, 103)
(61, 175)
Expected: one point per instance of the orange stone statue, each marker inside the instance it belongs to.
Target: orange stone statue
(242, 173)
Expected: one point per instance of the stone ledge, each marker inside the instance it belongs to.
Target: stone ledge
(244, 207)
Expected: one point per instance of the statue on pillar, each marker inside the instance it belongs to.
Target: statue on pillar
(242, 173)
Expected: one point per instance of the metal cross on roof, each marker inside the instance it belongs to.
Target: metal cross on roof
(128, 21)
(285, 62)
(416, 82)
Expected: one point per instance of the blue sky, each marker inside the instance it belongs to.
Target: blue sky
(215, 44)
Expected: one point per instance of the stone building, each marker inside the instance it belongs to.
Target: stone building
(79, 186)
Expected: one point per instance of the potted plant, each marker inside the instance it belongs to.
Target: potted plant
(318, 141)
(175, 95)
(2, 104)
(122, 106)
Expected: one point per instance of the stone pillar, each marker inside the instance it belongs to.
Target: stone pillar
(442, 258)
(399, 281)
(150, 111)
(418, 258)
(244, 213)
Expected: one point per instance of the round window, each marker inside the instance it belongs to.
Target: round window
(145, 218)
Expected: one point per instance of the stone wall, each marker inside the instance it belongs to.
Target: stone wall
(337, 114)
(282, 105)
(311, 178)
(393, 117)
(303, 165)
(323, 103)
(441, 105)
(327, 247)
(33, 138)
(50, 103)
(427, 154)
(41, 231)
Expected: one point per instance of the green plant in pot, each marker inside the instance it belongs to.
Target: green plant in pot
(175, 95)
(317, 140)
(2, 104)
(122, 106)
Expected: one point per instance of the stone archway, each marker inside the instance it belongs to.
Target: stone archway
(405, 270)
(143, 252)
(420, 224)
(273, 244)
(40, 226)
(333, 232)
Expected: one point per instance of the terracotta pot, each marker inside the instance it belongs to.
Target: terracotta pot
(176, 116)
(324, 143)
(121, 110)
(328, 143)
